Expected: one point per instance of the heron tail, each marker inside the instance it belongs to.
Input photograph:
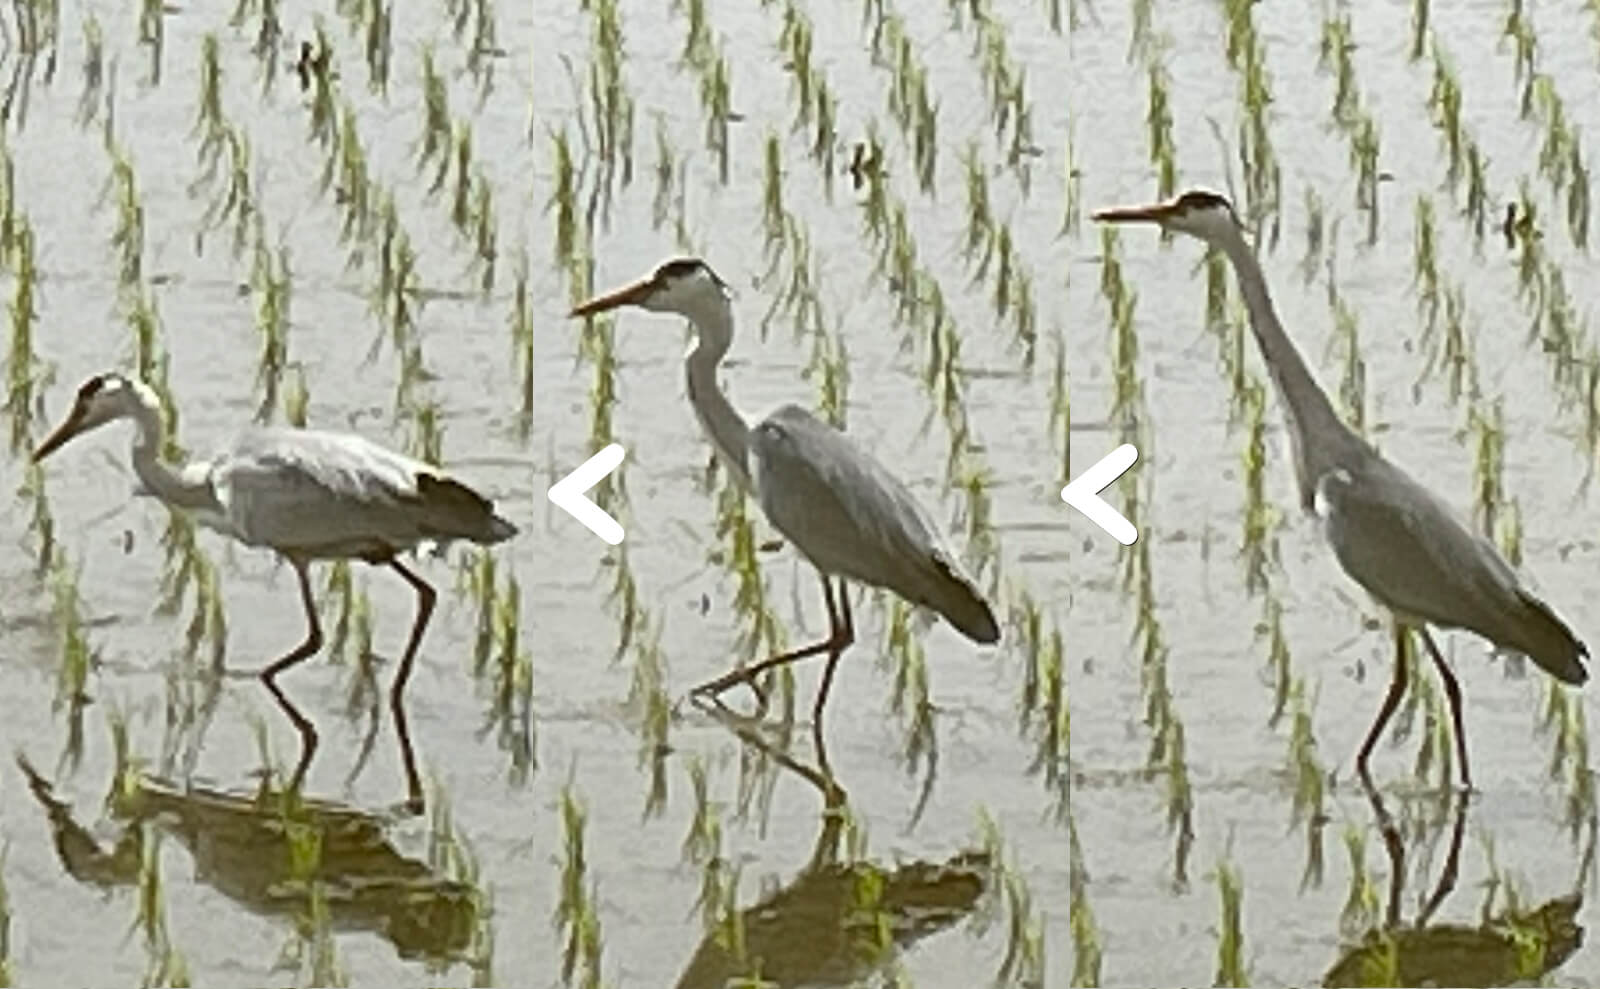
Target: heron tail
(953, 595)
(1547, 640)
(458, 512)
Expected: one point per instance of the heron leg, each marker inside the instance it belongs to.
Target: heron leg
(1391, 700)
(1452, 693)
(838, 639)
(844, 634)
(425, 600)
(269, 676)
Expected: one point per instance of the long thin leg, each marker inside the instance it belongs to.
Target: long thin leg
(835, 642)
(425, 599)
(1452, 863)
(1452, 693)
(1391, 700)
(269, 676)
(1386, 825)
(844, 637)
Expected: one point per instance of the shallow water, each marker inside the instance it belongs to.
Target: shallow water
(1086, 90)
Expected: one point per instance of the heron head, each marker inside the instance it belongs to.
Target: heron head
(679, 285)
(100, 400)
(1198, 213)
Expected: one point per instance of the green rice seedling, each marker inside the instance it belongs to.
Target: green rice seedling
(152, 34)
(1444, 105)
(164, 964)
(210, 124)
(379, 46)
(1488, 428)
(77, 659)
(1086, 952)
(1259, 545)
(23, 369)
(347, 166)
(485, 233)
(1053, 740)
(127, 238)
(1023, 963)
(520, 321)
(1072, 194)
(271, 282)
(1425, 268)
(651, 705)
(576, 917)
(296, 398)
(563, 200)
(1280, 666)
(41, 523)
(1362, 906)
(236, 201)
(324, 92)
(433, 145)
(1310, 797)
(1419, 28)
(911, 702)
(461, 200)
(1158, 121)
(511, 710)
(1231, 969)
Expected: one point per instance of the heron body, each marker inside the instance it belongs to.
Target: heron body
(834, 502)
(307, 495)
(803, 470)
(1395, 538)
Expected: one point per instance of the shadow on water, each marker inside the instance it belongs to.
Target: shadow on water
(838, 921)
(1511, 947)
(249, 849)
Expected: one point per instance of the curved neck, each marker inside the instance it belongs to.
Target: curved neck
(1320, 438)
(165, 481)
(727, 430)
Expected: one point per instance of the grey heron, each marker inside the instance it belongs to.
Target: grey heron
(1391, 535)
(841, 508)
(308, 495)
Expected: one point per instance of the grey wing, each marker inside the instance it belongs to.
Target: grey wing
(836, 503)
(1412, 553)
(317, 493)
(853, 519)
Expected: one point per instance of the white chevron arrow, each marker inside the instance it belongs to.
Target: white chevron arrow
(1084, 493)
(570, 494)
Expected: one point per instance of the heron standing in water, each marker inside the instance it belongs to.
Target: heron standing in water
(308, 495)
(842, 509)
(1390, 534)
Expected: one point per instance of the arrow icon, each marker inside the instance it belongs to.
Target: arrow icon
(570, 494)
(1084, 493)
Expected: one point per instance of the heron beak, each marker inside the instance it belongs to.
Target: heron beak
(56, 440)
(1159, 213)
(628, 295)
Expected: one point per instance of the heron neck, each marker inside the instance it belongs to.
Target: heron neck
(722, 423)
(161, 479)
(1320, 438)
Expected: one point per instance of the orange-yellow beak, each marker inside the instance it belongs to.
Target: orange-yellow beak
(1135, 214)
(72, 426)
(625, 296)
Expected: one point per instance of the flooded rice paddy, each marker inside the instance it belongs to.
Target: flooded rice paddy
(376, 218)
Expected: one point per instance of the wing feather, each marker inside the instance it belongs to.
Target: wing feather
(319, 492)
